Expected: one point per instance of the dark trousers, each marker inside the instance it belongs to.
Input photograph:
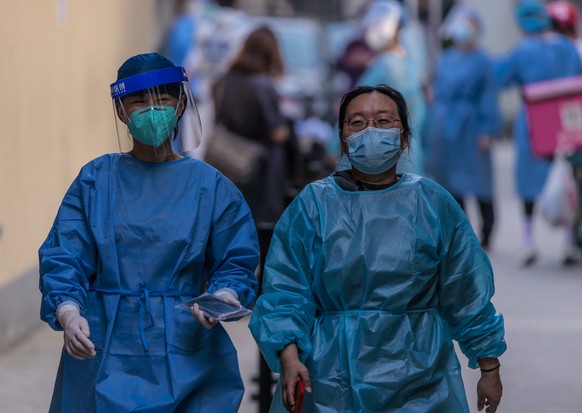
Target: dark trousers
(487, 218)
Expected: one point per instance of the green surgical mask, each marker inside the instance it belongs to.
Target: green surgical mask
(153, 125)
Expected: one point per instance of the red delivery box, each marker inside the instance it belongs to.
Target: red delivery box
(554, 115)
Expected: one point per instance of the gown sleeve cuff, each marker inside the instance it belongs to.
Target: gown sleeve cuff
(66, 306)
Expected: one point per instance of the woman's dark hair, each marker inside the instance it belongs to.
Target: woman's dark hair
(259, 54)
(392, 93)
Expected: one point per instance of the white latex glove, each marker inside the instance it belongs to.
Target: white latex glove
(225, 294)
(76, 332)
(228, 295)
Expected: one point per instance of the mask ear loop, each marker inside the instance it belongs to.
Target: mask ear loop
(400, 131)
(342, 160)
(401, 151)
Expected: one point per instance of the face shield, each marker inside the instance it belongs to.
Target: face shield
(158, 111)
(381, 23)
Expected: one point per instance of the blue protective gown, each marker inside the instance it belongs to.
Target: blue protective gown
(131, 240)
(535, 58)
(465, 109)
(373, 286)
(404, 74)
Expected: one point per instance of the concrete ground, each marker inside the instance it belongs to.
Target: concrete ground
(541, 370)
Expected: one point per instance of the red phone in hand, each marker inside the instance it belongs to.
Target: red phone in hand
(299, 393)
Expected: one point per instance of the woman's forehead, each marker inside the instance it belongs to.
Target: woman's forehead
(372, 103)
(151, 92)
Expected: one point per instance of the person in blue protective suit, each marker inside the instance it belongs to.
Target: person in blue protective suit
(540, 55)
(137, 234)
(464, 117)
(370, 276)
(396, 65)
(565, 18)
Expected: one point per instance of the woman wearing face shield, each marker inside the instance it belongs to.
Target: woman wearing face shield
(139, 232)
(464, 117)
(370, 277)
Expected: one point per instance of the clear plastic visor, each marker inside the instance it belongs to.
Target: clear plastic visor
(161, 119)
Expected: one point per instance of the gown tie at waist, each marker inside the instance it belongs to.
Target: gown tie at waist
(144, 295)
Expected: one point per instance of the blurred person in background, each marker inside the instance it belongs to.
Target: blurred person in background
(396, 66)
(136, 234)
(565, 18)
(354, 61)
(371, 276)
(180, 42)
(181, 46)
(464, 117)
(247, 103)
(204, 38)
(540, 55)
(224, 27)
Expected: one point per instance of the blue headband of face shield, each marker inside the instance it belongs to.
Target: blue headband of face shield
(148, 80)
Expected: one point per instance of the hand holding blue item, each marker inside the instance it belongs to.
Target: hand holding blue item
(208, 309)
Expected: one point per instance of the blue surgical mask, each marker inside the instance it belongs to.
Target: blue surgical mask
(373, 150)
(153, 125)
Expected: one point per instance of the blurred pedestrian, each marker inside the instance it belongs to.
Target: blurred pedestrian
(247, 103)
(464, 117)
(565, 18)
(182, 47)
(371, 276)
(224, 26)
(540, 55)
(136, 234)
(204, 38)
(180, 42)
(354, 61)
(396, 66)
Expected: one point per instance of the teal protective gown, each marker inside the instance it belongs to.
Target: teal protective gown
(373, 286)
(131, 240)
